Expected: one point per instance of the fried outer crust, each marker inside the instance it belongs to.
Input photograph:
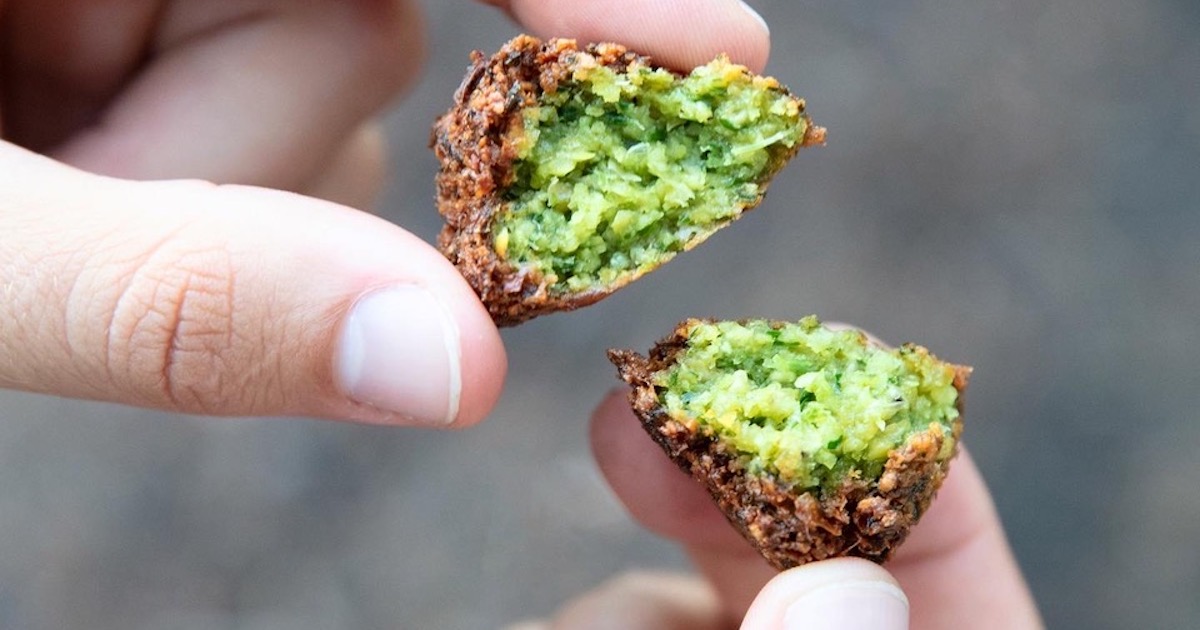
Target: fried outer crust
(867, 518)
(476, 144)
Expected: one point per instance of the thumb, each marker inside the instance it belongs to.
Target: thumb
(846, 593)
(231, 301)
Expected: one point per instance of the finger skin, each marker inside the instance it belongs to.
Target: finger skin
(644, 601)
(663, 498)
(204, 299)
(956, 564)
(668, 502)
(64, 59)
(355, 174)
(680, 34)
(260, 93)
(737, 574)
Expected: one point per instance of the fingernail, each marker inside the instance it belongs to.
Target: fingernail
(399, 352)
(755, 14)
(858, 605)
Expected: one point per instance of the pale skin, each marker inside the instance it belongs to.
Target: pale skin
(178, 184)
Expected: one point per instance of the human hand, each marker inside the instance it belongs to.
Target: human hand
(231, 300)
(954, 571)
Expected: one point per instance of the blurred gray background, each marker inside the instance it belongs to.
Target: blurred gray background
(1014, 184)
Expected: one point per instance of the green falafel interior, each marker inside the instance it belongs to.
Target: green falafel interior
(804, 403)
(618, 171)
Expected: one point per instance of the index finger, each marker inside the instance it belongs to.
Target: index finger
(680, 34)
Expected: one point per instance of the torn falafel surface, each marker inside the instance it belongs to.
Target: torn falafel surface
(568, 172)
(813, 442)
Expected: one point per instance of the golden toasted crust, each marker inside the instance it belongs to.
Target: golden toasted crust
(867, 518)
(475, 142)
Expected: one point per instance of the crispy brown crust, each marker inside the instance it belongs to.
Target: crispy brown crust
(475, 143)
(867, 518)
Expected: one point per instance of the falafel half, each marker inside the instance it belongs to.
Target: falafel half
(568, 172)
(814, 442)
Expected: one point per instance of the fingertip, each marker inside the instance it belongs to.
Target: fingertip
(434, 358)
(679, 34)
(484, 363)
(849, 593)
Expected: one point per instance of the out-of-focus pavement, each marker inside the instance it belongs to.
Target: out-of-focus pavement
(1014, 184)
